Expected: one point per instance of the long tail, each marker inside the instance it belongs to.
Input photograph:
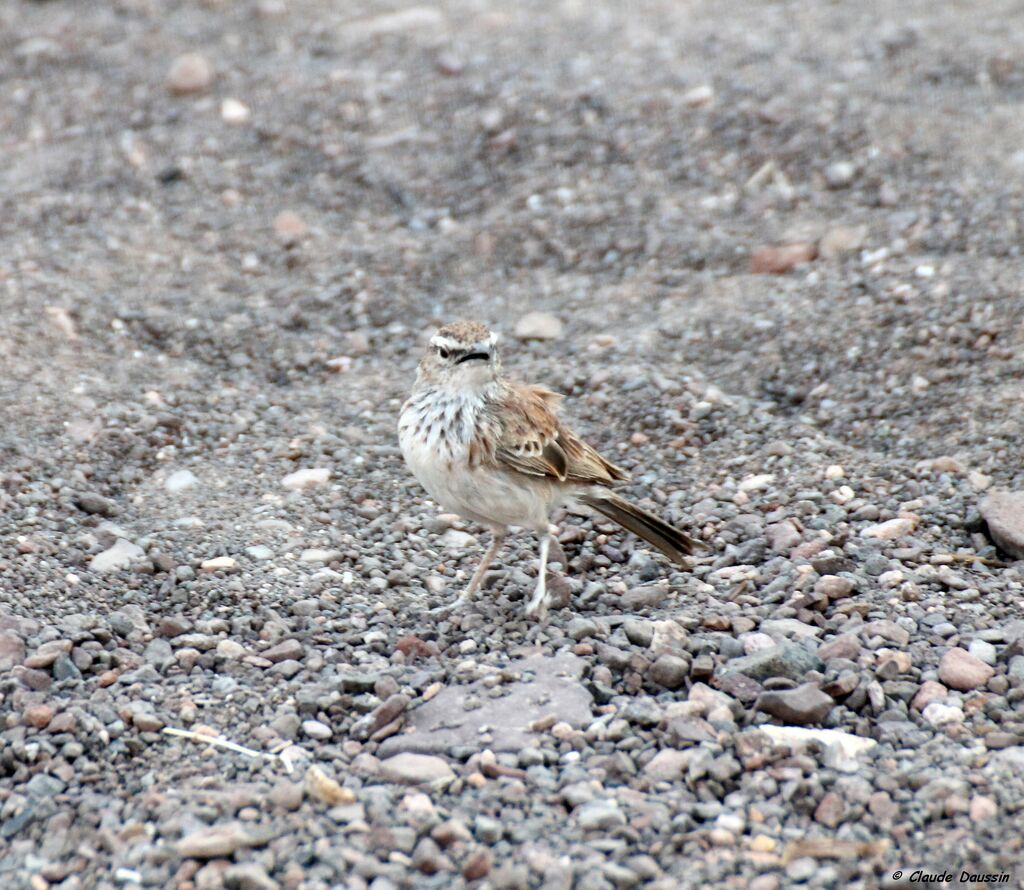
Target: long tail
(667, 538)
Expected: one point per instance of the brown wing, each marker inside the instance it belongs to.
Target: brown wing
(532, 440)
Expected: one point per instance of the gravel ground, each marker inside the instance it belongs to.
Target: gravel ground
(783, 244)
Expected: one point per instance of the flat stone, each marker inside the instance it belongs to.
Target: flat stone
(890, 530)
(843, 646)
(930, 691)
(644, 597)
(95, 504)
(415, 769)
(668, 765)
(119, 556)
(939, 714)
(306, 478)
(845, 743)
(958, 669)
(983, 651)
(639, 631)
(43, 785)
(805, 704)
(215, 841)
(230, 649)
(550, 686)
(453, 539)
(47, 654)
(12, 650)
(1004, 513)
(286, 650)
(784, 660)
(789, 627)
(834, 587)
(248, 876)
(599, 815)
(888, 630)
(581, 628)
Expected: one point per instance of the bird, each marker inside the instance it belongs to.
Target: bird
(497, 453)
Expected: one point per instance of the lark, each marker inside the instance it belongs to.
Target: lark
(497, 453)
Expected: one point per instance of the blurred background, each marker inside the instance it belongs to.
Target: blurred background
(258, 188)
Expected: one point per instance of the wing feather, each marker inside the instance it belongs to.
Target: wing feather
(532, 440)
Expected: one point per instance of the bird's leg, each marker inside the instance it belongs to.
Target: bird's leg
(538, 605)
(478, 576)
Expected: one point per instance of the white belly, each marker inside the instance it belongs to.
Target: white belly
(483, 493)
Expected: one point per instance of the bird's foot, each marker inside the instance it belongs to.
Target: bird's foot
(457, 605)
(538, 605)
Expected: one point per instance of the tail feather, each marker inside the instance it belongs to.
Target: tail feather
(675, 544)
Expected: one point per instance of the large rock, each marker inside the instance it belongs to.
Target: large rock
(785, 660)
(958, 669)
(1004, 513)
(805, 704)
(550, 686)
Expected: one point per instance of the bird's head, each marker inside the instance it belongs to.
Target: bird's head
(462, 355)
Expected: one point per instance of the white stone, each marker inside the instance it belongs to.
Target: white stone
(797, 736)
(317, 730)
(668, 765)
(891, 529)
(415, 769)
(699, 96)
(939, 714)
(315, 554)
(259, 551)
(983, 651)
(219, 564)
(306, 478)
(230, 649)
(756, 483)
(757, 642)
(117, 557)
(538, 326)
(234, 112)
(180, 480)
(453, 539)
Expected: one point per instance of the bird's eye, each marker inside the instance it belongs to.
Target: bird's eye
(444, 353)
